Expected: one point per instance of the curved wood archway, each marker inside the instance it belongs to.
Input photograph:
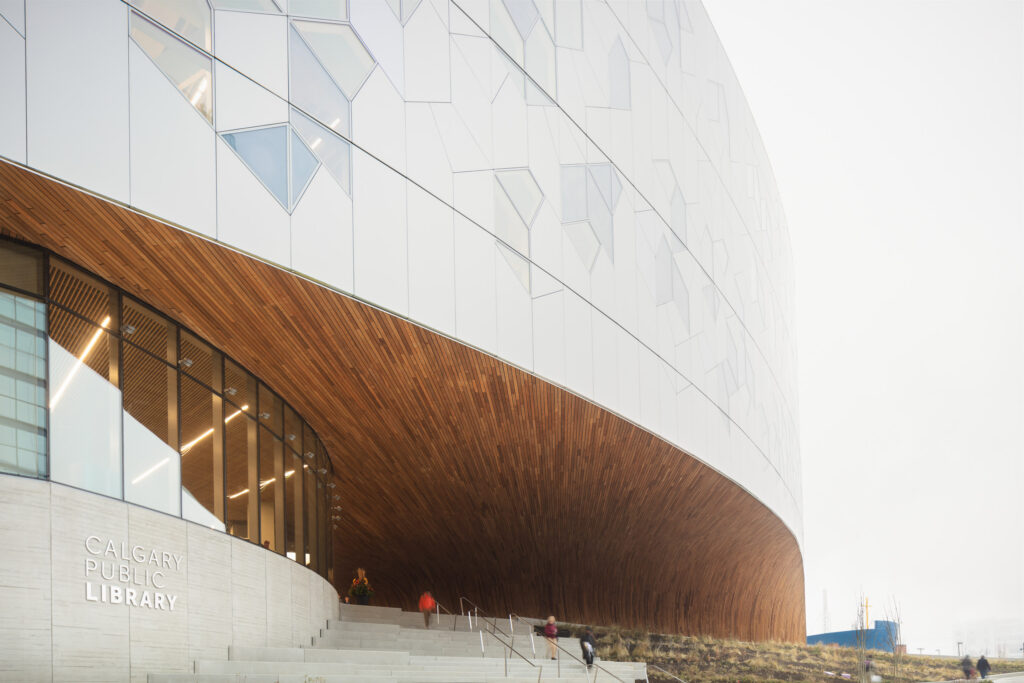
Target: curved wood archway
(459, 473)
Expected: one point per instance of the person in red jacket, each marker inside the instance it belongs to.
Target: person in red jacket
(427, 606)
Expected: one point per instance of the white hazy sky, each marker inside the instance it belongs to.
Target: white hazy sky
(895, 131)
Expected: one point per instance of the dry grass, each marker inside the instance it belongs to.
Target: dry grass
(699, 659)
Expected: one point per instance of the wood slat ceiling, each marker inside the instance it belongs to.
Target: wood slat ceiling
(458, 472)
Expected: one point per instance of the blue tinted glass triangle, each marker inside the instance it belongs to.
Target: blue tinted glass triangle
(265, 152)
(303, 166)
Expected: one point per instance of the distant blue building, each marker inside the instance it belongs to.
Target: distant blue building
(878, 638)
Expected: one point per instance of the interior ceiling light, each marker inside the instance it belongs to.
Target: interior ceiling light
(268, 482)
(187, 447)
(291, 437)
(240, 493)
(150, 471)
(79, 363)
(310, 454)
(264, 416)
(231, 391)
(186, 362)
(128, 329)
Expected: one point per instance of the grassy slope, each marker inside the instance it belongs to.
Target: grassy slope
(705, 659)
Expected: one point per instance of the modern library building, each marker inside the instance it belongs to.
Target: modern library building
(490, 297)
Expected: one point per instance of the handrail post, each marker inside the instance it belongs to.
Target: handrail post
(558, 660)
(533, 648)
(511, 631)
(506, 663)
(482, 644)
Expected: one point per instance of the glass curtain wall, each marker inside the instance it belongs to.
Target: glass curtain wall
(101, 392)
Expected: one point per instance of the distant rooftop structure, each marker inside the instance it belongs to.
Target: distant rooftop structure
(877, 638)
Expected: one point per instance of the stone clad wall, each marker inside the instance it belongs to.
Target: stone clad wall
(60, 620)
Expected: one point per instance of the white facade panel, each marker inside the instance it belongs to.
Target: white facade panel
(475, 293)
(12, 84)
(255, 45)
(431, 261)
(322, 233)
(77, 65)
(379, 226)
(173, 155)
(241, 102)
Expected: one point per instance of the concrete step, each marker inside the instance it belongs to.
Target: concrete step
(357, 678)
(475, 668)
(384, 644)
(298, 654)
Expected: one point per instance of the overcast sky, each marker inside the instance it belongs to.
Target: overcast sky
(895, 131)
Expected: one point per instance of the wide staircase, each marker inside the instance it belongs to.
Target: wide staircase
(384, 644)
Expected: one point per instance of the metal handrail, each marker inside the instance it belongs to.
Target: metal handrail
(572, 656)
(455, 617)
(539, 667)
(667, 673)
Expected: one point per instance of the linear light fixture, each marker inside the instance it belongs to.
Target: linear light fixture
(150, 471)
(79, 363)
(240, 493)
(187, 447)
(268, 482)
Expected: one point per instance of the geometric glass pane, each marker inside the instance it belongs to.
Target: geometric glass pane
(522, 189)
(334, 152)
(247, 5)
(187, 68)
(23, 362)
(319, 9)
(265, 152)
(314, 91)
(190, 19)
(524, 15)
(304, 164)
(508, 226)
(340, 51)
(600, 216)
(607, 182)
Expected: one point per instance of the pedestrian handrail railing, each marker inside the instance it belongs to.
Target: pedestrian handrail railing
(491, 628)
(667, 673)
(437, 609)
(471, 610)
(475, 614)
(597, 667)
(509, 651)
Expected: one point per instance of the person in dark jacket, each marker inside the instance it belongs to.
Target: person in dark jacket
(966, 665)
(589, 647)
(983, 666)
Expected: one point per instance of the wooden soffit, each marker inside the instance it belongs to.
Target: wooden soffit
(458, 472)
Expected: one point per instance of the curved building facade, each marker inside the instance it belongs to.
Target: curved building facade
(520, 265)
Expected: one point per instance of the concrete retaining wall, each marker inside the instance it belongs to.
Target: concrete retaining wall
(96, 589)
